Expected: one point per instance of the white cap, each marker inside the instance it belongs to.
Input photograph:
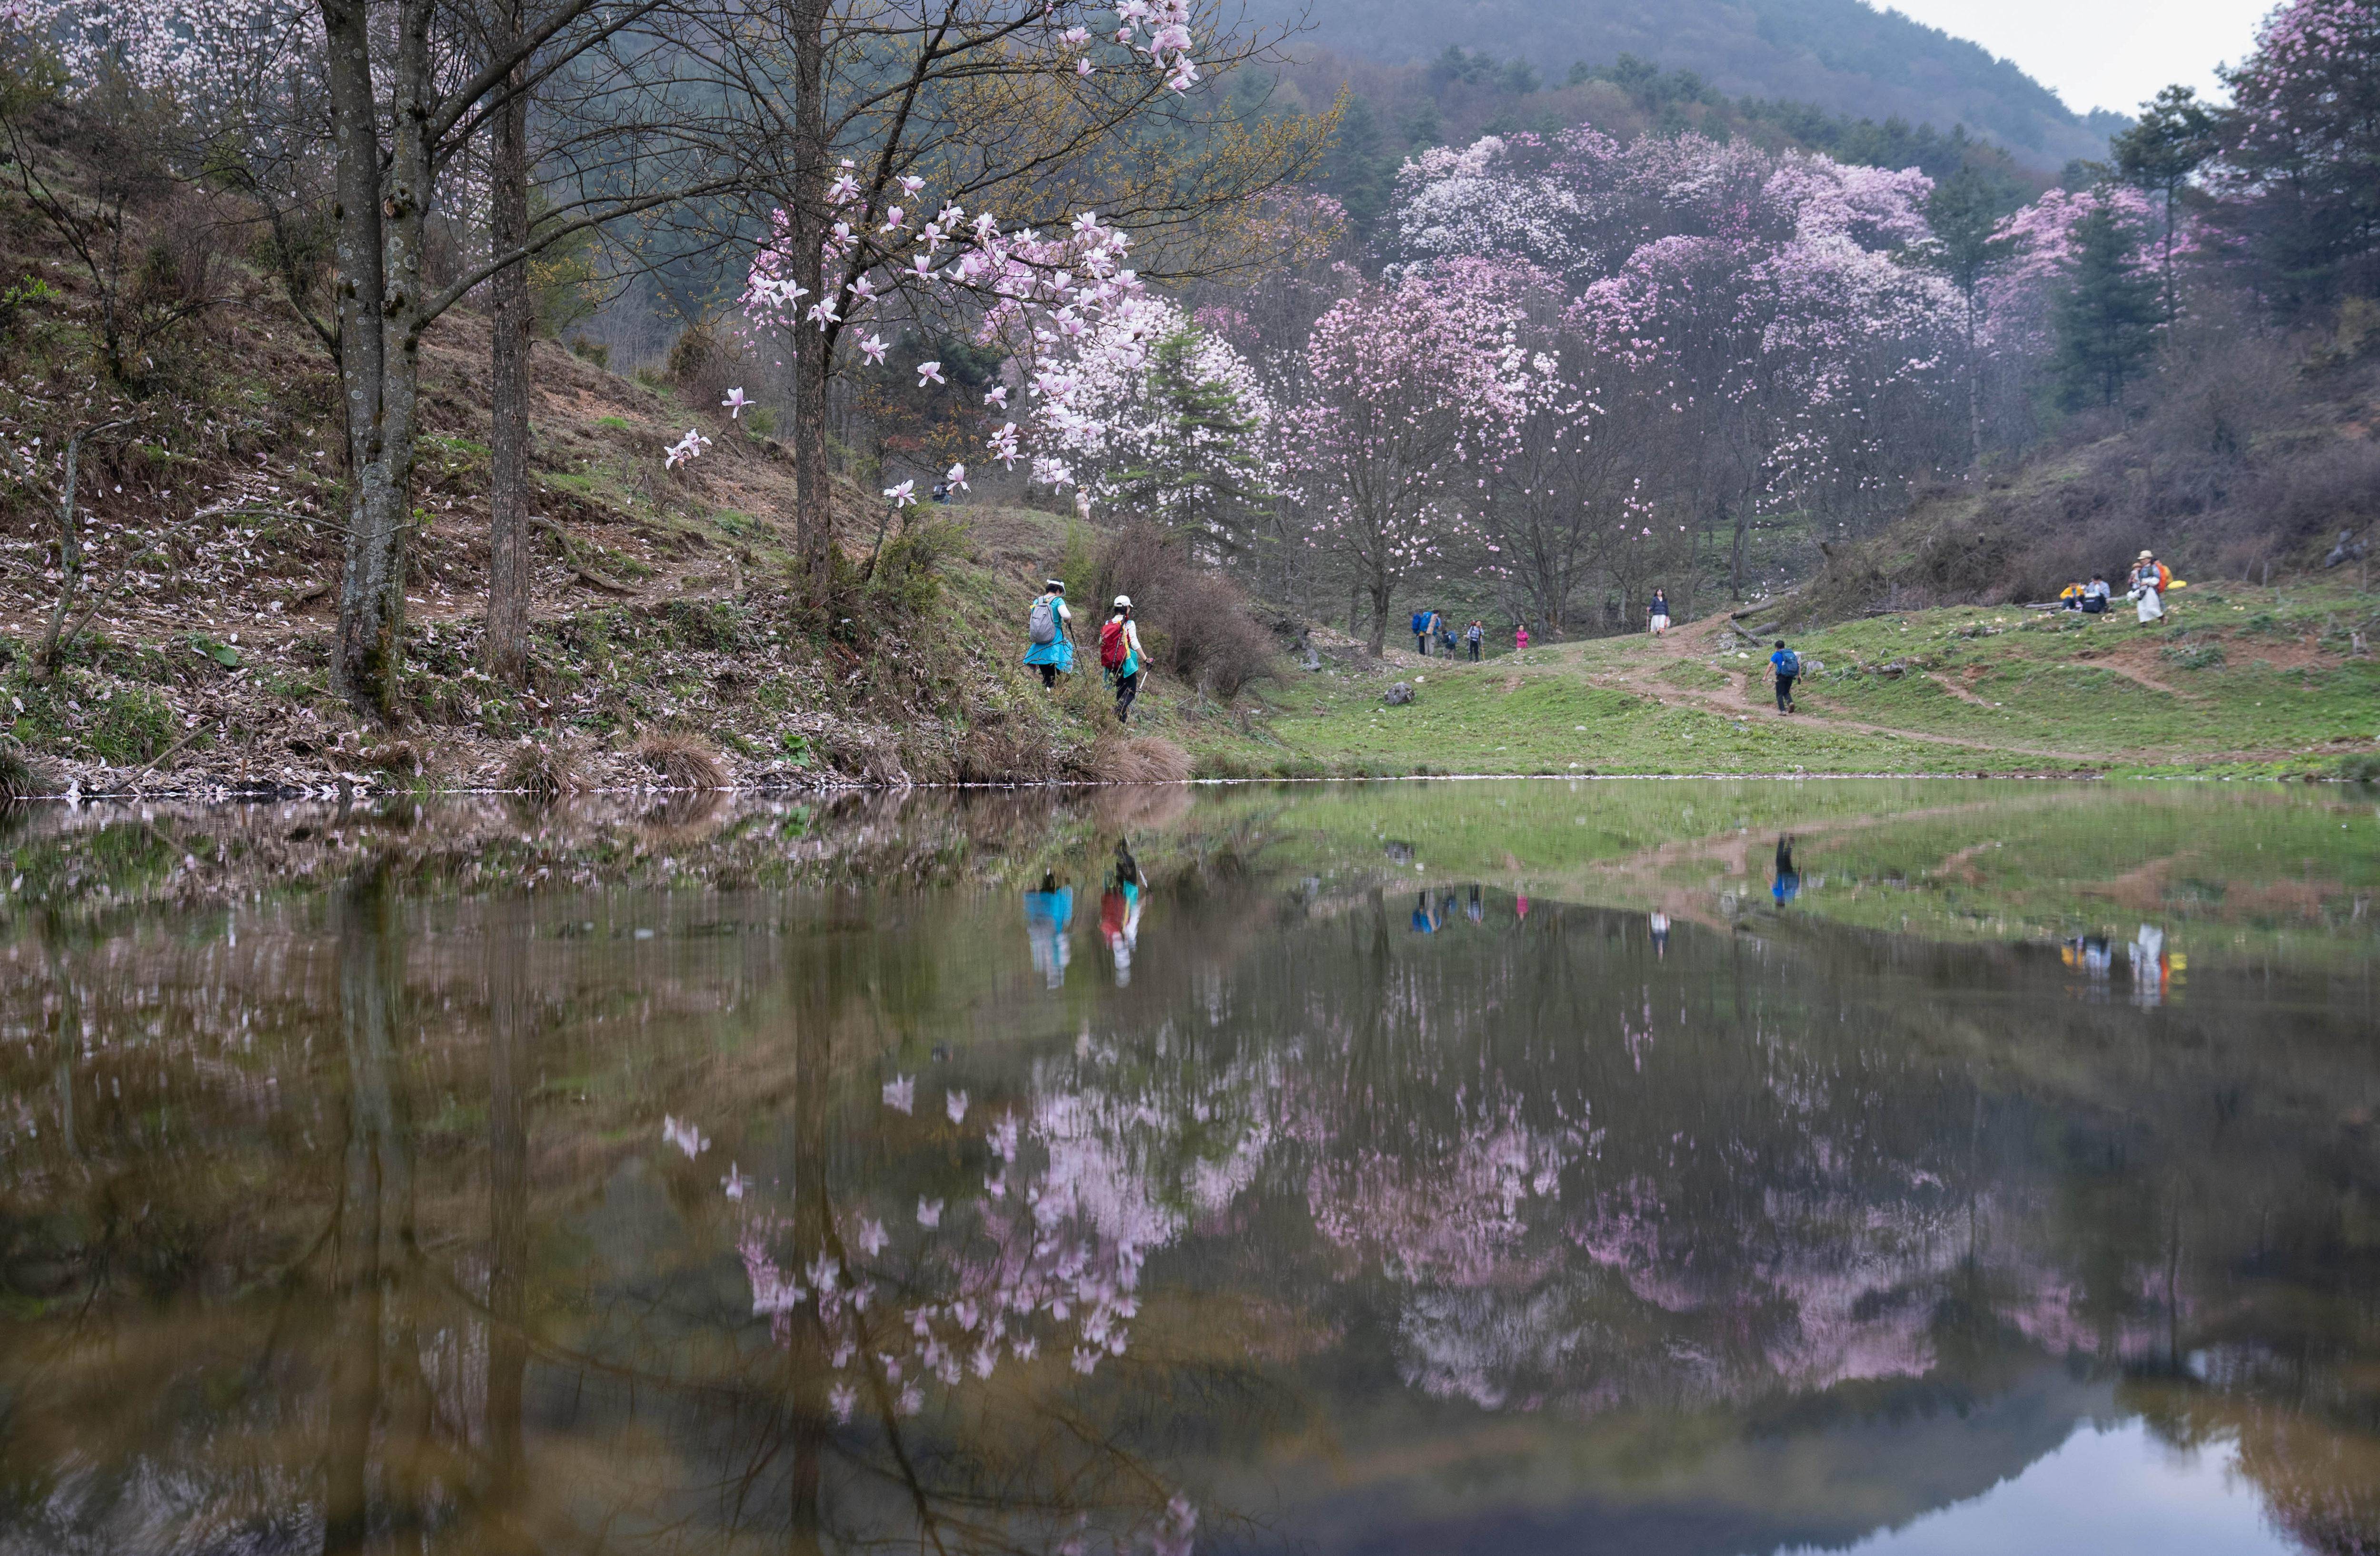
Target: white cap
(1124, 602)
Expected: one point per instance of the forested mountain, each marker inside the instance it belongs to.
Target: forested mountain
(1841, 55)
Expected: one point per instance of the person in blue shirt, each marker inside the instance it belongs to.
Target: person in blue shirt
(1787, 665)
(1049, 913)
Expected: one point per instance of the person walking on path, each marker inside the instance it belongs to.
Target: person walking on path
(1473, 637)
(1658, 614)
(2148, 587)
(1787, 665)
(1120, 656)
(1521, 637)
(1051, 629)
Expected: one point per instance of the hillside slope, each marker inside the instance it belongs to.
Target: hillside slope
(1841, 55)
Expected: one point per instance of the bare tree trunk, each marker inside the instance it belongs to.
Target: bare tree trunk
(813, 348)
(1735, 557)
(379, 217)
(70, 562)
(506, 649)
(1380, 591)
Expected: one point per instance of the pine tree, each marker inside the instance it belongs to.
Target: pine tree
(2106, 320)
(1201, 469)
(1358, 169)
(2175, 135)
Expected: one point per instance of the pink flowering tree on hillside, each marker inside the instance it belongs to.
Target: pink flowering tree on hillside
(2297, 168)
(1765, 303)
(1406, 383)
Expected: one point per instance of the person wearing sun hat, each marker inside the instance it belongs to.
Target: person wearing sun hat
(2148, 587)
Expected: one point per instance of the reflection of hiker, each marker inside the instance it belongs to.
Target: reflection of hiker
(1659, 923)
(1656, 617)
(1787, 665)
(1472, 909)
(1048, 912)
(1423, 922)
(1789, 880)
(1120, 912)
(2151, 578)
(1521, 907)
(2149, 969)
(1120, 656)
(1051, 629)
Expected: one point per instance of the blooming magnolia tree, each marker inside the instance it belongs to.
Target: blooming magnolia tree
(1764, 299)
(1407, 382)
(1153, 412)
(2299, 164)
(976, 164)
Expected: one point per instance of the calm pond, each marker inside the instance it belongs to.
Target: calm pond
(1662, 1167)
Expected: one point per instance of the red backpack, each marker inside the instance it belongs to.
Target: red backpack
(1112, 646)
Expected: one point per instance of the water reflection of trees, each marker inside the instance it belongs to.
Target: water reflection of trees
(337, 1220)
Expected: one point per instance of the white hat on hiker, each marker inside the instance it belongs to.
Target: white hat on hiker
(2146, 555)
(1123, 603)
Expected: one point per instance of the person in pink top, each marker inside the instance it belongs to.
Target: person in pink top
(1521, 637)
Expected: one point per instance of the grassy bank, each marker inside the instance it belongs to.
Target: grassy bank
(2239, 681)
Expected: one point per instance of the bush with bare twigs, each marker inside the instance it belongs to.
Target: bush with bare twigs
(1194, 621)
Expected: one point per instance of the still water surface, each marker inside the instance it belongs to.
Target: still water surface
(1661, 1167)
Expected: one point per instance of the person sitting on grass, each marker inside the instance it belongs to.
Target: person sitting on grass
(2095, 595)
(1787, 665)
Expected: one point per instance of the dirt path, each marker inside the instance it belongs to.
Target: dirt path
(1640, 674)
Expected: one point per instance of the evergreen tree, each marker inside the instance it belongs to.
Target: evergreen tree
(1202, 466)
(2106, 320)
(2174, 137)
(1964, 211)
(1359, 170)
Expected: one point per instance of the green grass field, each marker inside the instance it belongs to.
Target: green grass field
(2239, 681)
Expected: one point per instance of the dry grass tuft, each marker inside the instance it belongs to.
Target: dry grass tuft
(544, 773)
(1138, 759)
(396, 756)
(681, 762)
(21, 776)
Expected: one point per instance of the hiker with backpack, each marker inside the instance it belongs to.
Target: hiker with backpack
(2151, 578)
(1422, 622)
(1121, 657)
(1787, 665)
(1050, 627)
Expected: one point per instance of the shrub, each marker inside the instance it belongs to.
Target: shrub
(134, 726)
(681, 762)
(1194, 621)
(544, 773)
(21, 777)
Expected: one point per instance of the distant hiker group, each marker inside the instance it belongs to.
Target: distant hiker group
(1049, 628)
(2146, 586)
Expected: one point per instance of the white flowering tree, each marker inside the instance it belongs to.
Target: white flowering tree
(984, 165)
(1154, 413)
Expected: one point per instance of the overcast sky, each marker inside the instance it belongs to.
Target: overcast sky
(2102, 54)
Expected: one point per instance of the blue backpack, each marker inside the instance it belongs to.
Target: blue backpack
(1420, 623)
(1788, 662)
